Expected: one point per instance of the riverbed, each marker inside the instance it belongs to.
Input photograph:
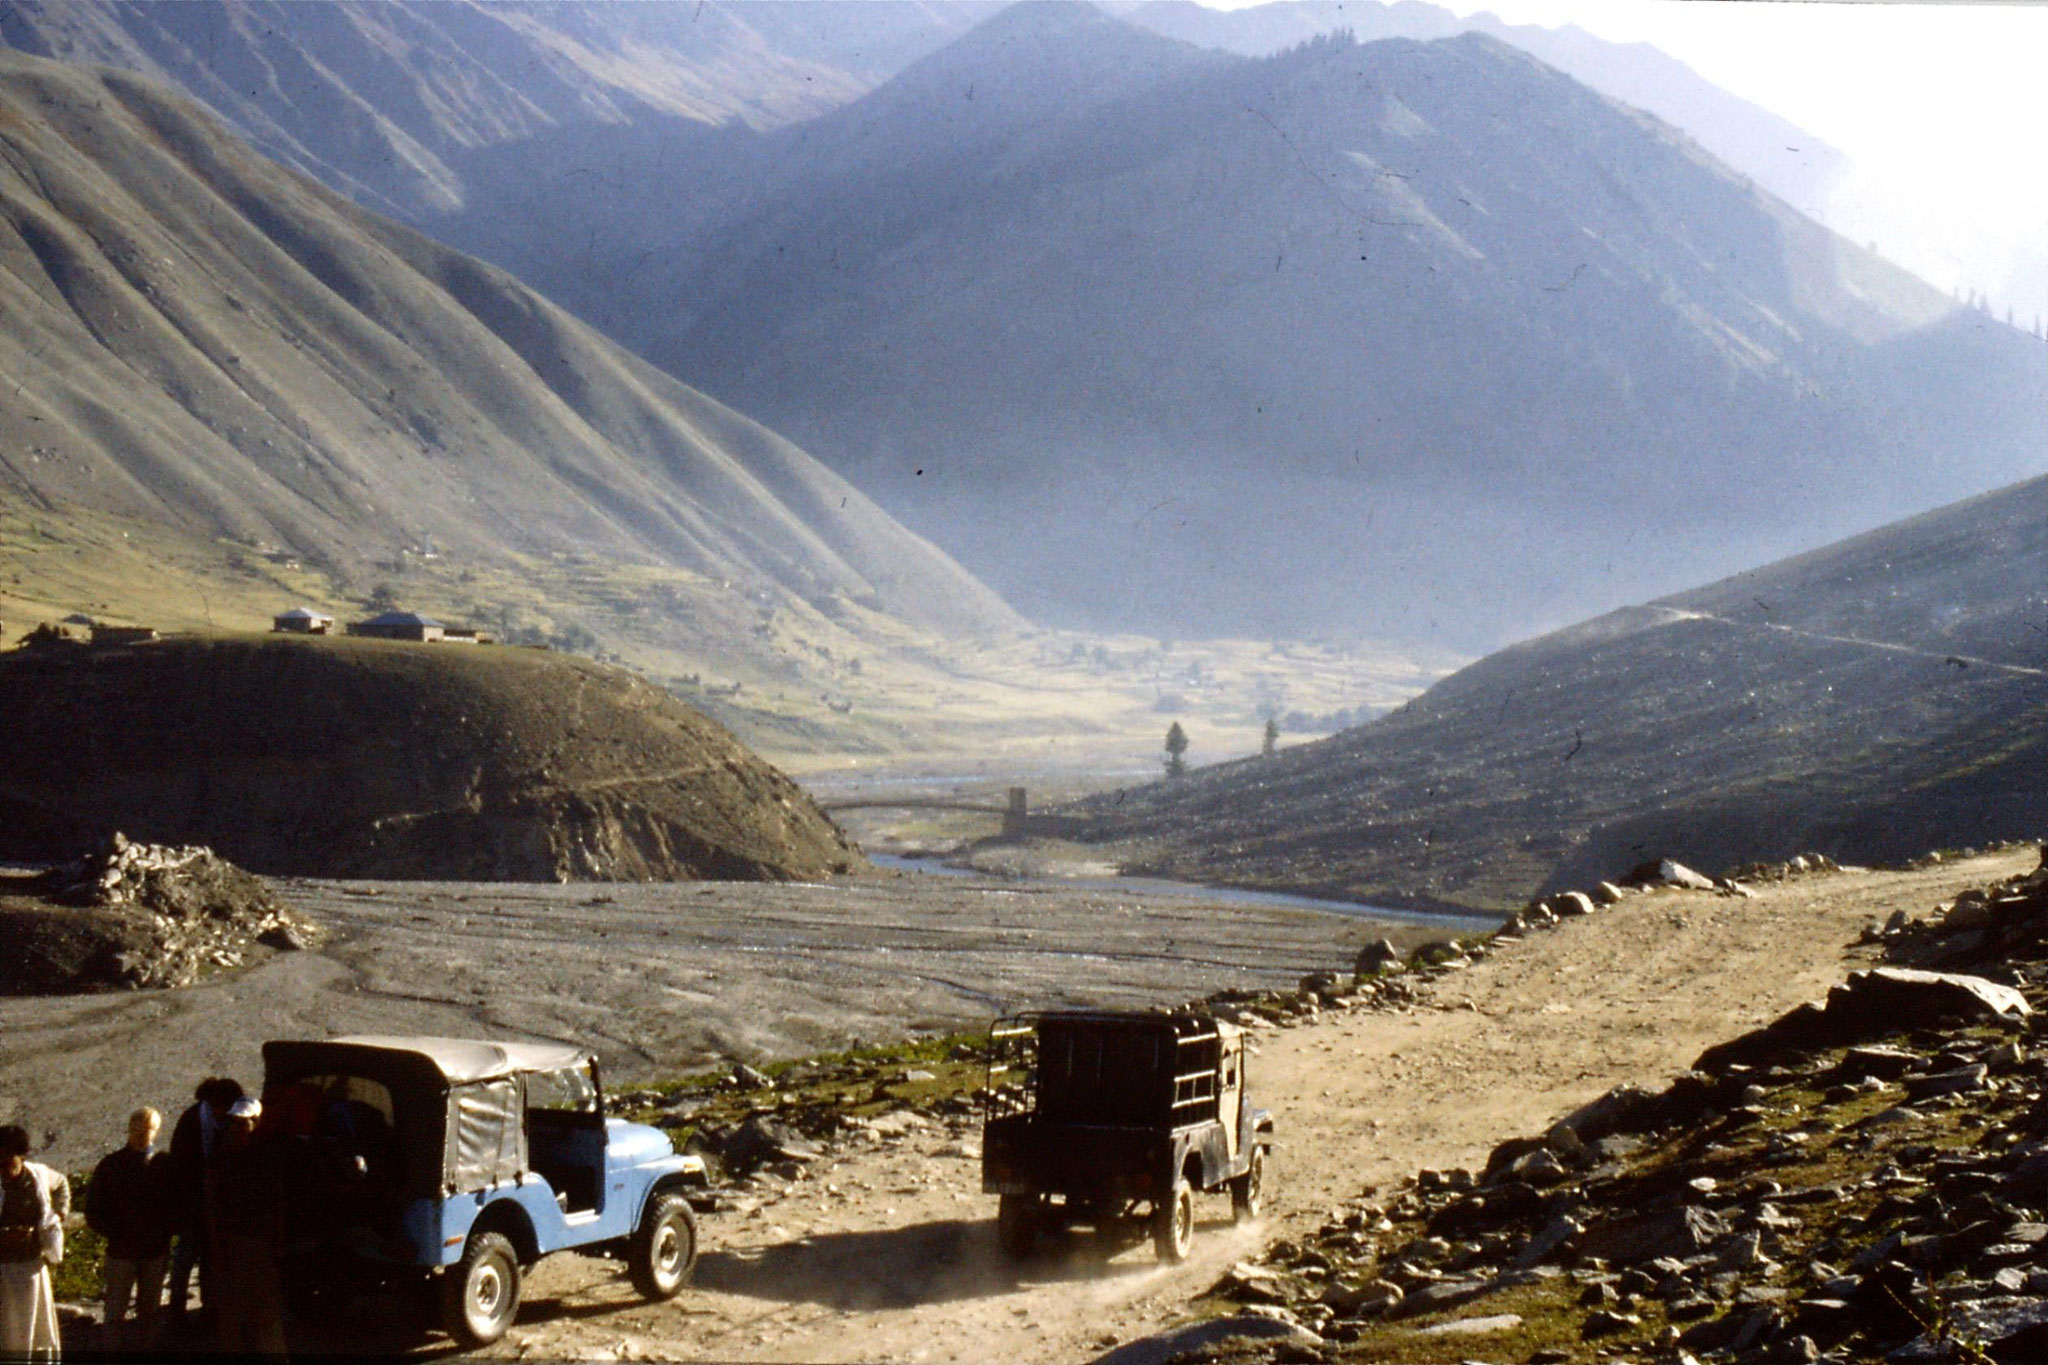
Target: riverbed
(658, 979)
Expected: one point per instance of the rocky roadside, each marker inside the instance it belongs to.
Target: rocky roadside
(1866, 1178)
(761, 1129)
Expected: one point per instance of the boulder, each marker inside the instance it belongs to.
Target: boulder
(1368, 1300)
(1376, 957)
(748, 1078)
(1437, 952)
(1668, 872)
(1876, 1062)
(1632, 1240)
(1567, 904)
(1621, 1110)
(1874, 1004)
(1184, 1342)
(760, 1140)
(1607, 893)
(1441, 1294)
(1319, 983)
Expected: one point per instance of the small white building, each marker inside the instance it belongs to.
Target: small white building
(302, 621)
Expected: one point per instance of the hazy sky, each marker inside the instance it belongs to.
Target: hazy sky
(1939, 105)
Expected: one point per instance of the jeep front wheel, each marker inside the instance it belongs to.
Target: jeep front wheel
(663, 1251)
(480, 1292)
(1248, 1191)
(1173, 1224)
(1017, 1225)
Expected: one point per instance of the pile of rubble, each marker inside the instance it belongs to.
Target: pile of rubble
(1865, 1178)
(143, 916)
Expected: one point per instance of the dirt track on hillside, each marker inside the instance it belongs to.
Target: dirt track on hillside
(888, 1252)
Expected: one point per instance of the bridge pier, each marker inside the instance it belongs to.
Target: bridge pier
(1014, 817)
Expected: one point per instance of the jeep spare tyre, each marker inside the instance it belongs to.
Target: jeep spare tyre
(663, 1250)
(480, 1292)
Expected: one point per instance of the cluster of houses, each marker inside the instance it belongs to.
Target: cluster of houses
(391, 625)
(80, 629)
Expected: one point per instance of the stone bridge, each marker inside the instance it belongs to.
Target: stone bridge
(1015, 810)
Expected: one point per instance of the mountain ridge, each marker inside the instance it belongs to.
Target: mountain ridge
(1360, 269)
(298, 372)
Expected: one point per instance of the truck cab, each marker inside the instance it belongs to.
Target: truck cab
(468, 1160)
(1091, 1116)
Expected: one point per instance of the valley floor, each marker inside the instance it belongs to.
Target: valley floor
(885, 1249)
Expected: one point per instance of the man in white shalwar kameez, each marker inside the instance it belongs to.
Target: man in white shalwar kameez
(28, 1309)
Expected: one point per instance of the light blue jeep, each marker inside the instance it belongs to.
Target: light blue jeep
(468, 1160)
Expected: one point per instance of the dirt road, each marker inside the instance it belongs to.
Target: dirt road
(887, 1251)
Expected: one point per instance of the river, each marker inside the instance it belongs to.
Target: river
(1226, 895)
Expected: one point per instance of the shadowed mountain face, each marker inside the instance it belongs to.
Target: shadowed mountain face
(1424, 339)
(385, 101)
(1870, 700)
(201, 338)
(366, 758)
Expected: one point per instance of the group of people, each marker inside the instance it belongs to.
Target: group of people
(205, 1205)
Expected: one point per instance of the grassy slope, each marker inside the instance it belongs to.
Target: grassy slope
(342, 757)
(1867, 700)
(232, 392)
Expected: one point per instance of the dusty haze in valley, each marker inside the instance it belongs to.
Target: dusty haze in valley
(755, 538)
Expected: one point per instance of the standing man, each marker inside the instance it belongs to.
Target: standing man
(194, 1141)
(126, 1205)
(245, 1236)
(28, 1310)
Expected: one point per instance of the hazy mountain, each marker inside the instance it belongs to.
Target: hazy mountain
(1786, 160)
(200, 338)
(1154, 336)
(1422, 339)
(386, 100)
(1870, 700)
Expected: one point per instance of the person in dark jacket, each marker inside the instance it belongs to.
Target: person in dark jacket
(245, 1235)
(193, 1142)
(126, 1204)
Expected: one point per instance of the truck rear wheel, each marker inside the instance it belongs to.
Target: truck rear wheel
(480, 1292)
(1017, 1225)
(1173, 1224)
(663, 1249)
(1248, 1191)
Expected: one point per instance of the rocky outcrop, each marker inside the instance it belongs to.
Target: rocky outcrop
(140, 916)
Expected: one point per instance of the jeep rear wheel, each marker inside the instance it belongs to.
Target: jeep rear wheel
(480, 1292)
(663, 1250)
(1173, 1224)
(1248, 1191)
(1017, 1225)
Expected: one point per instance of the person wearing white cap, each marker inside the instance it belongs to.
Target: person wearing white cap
(245, 1230)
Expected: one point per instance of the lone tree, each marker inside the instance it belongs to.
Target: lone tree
(1176, 750)
(1272, 740)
